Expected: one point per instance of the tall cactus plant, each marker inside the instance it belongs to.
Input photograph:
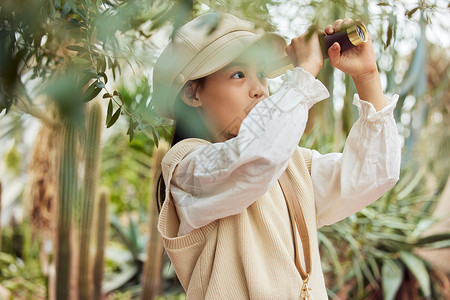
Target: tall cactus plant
(91, 175)
(151, 277)
(67, 194)
(102, 222)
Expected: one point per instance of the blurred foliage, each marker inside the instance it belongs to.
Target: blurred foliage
(20, 270)
(374, 248)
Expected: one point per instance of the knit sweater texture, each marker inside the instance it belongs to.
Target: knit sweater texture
(249, 255)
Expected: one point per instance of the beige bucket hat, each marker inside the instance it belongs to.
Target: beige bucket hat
(202, 47)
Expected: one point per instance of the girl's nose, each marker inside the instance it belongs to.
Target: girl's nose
(256, 90)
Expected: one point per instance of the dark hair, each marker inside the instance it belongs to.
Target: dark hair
(188, 124)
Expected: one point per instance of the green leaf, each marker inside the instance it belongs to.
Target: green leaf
(109, 111)
(90, 71)
(99, 84)
(417, 267)
(65, 10)
(94, 93)
(411, 185)
(90, 93)
(391, 278)
(155, 135)
(436, 241)
(130, 131)
(80, 60)
(132, 126)
(76, 22)
(102, 74)
(434, 238)
(166, 133)
(116, 93)
(101, 63)
(77, 48)
(114, 118)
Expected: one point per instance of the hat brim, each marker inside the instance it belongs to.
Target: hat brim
(216, 58)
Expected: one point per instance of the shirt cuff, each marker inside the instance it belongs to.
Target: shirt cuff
(304, 82)
(367, 110)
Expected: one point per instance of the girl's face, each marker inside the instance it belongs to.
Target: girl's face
(227, 96)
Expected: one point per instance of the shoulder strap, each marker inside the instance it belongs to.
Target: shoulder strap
(298, 223)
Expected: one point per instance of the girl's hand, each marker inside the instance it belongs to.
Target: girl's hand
(356, 62)
(305, 52)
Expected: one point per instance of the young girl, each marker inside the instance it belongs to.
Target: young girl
(225, 221)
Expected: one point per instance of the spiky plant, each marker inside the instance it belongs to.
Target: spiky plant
(67, 194)
(91, 175)
(101, 235)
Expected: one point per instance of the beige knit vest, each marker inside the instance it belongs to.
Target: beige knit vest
(245, 256)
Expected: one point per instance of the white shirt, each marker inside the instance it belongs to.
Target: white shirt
(222, 179)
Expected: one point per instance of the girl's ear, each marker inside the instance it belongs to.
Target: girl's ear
(188, 94)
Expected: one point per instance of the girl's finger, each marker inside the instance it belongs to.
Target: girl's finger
(329, 29)
(337, 24)
(334, 54)
(347, 21)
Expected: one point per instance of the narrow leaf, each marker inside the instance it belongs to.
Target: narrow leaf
(155, 136)
(80, 60)
(392, 277)
(77, 48)
(434, 238)
(99, 84)
(90, 93)
(116, 93)
(65, 10)
(130, 130)
(417, 267)
(76, 22)
(107, 95)
(114, 118)
(90, 71)
(109, 111)
(102, 74)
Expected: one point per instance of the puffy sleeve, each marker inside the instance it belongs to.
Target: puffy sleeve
(369, 166)
(222, 179)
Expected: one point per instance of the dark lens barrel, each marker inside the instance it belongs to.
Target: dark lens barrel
(340, 37)
(348, 37)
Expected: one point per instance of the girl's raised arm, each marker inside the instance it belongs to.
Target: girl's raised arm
(222, 179)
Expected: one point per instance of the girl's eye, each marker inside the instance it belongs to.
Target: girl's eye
(238, 75)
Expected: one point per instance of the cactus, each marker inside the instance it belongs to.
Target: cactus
(151, 277)
(102, 222)
(91, 175)
(67, 194)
